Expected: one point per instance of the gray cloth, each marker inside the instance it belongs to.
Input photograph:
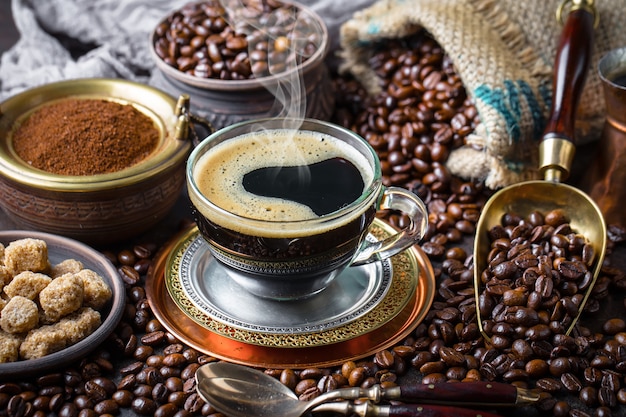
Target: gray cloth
(114, 33)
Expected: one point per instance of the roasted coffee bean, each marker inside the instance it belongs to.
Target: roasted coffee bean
(575, 412)
(549, 384)
(129, 275)
(97, 389)
(559, 366)
(144, 250)
(434, 378)
(451, 357)
(614, 326)
(123, 398)
(126, 257)
(603, 362)
(592, 376)
(621, 396)
(561, 409)
(106, 407)
(56, 402)
(384, 359)
(536, 368)
(589, 396)
(17, 406)
(610, 379)
(154, 338)
(194, 403)
(607, 397)
(145, 406)
(177, 399)
(571, 382)
(160, 393)
(310, 394)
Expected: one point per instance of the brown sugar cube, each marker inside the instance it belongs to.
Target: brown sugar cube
(26, 255)
(4, 277)
(79, 324)
(1, 254)
(27, 284)
(62, 296)
(65, 267)
(43, 341)
(9, 347)
(54, 337)
(96, 290)
(19, 315)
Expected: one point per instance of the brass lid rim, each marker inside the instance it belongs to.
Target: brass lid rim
(160, 106)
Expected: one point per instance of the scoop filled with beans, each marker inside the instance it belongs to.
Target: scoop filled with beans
(537, 278)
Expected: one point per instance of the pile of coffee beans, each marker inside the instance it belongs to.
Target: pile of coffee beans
(537, 273)
(579, 375)
(266, 37)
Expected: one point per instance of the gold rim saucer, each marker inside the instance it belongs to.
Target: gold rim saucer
(393, 300)
(221, 346)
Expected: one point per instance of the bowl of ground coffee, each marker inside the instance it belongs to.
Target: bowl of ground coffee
(245, 59)
(98, 160)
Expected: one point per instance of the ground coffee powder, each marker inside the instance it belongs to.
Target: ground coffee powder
(85, 137)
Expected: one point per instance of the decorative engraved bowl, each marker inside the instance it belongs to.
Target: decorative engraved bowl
(225, 102)
(102, 208)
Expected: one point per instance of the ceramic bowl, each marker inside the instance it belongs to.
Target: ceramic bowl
(225, 102)
(60, 249)
(101, 208)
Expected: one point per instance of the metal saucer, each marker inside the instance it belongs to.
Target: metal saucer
(353, 294)
(405, 306)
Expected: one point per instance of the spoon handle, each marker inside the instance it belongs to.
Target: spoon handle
(369, 409)
(479, 392)
(415, 410)
(557, 147)
(570, 70)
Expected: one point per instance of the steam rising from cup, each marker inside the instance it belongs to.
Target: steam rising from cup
(292, 37)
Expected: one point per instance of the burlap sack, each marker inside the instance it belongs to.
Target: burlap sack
(504, 53)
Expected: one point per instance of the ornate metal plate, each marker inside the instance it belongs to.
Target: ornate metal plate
(304, 350)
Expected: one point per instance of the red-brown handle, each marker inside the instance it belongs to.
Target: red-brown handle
(570, 70)
(415, 410)
(479, 392)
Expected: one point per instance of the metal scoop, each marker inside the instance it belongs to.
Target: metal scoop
(239, 391)
(556, 154)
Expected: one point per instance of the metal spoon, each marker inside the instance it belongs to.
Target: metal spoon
(556, 153)
(239, 391)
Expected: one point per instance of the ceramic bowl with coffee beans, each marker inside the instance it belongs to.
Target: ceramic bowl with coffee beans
(97, 160)
(245, 59)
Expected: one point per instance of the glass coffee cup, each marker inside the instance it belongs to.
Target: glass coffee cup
(286, 204)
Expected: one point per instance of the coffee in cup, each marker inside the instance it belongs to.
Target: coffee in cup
(286, 204)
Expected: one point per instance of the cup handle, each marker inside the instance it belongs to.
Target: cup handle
(396, 198)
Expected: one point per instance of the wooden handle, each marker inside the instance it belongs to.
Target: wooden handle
(570, 70)
(479, 392)
(414, 410)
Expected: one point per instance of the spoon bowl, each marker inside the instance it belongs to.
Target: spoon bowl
(244, 392)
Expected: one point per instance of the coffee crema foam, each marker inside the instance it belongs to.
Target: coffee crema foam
(220, 171)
